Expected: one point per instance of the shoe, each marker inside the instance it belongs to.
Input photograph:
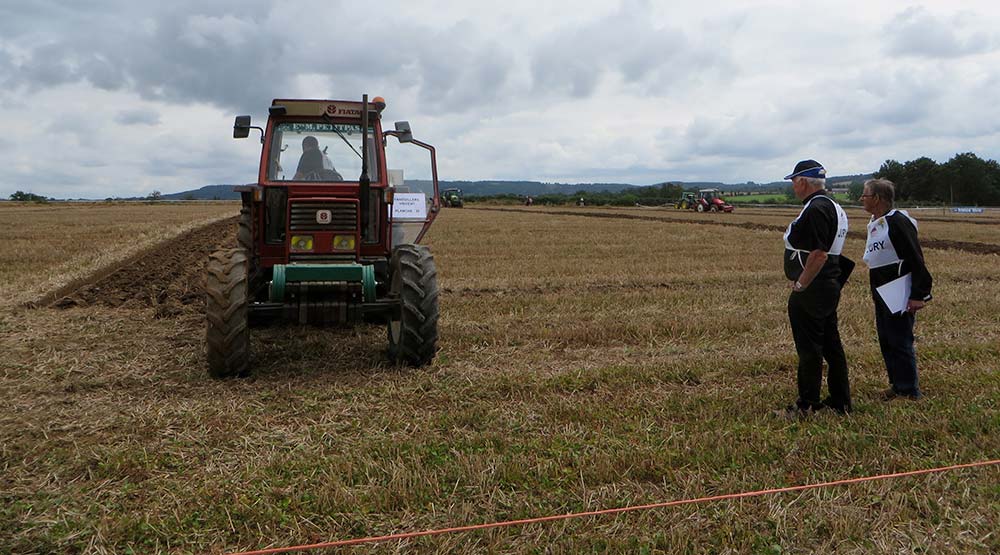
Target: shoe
(839, 407)
(890, 394)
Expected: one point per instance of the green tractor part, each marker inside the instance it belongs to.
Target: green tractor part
(317, 275)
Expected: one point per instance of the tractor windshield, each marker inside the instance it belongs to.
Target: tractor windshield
(309, 151)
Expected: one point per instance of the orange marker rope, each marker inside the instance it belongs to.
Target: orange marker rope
(551, 518)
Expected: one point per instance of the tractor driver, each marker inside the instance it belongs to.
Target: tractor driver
(313, 164)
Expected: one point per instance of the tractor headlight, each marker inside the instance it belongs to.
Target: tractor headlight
(302, 242)
(343, 242)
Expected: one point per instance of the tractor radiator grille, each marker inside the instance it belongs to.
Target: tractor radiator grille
(343, 216)
(310, 258)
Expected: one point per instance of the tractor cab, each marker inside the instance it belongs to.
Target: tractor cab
(329, 234)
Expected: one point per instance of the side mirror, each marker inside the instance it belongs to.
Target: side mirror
(403, 128)
(241, 127)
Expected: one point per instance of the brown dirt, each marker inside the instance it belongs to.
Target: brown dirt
(168, 276)
(966, 246)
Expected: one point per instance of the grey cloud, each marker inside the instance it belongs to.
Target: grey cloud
(454, 70)
(160, 167)
(83, 130)
(748, 136)
(238, 58)
(573, 60)
(185, 162)
(138, 117)
(104, 73)
(916, 32)
(185, 56)
(51, 183)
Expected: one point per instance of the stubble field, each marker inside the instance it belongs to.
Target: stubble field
(590, 358)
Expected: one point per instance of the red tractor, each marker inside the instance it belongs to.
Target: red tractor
(328, 235)
(710, 200)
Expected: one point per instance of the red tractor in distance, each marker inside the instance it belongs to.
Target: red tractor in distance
(710, 200)
(328, 235)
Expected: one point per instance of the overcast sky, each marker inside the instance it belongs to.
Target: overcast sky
(118, 98)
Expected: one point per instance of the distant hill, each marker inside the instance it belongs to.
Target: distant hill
(521, 188)
(491, 188)
(208, 192)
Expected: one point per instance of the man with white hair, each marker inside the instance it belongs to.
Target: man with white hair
(893, 253)
(813, 245)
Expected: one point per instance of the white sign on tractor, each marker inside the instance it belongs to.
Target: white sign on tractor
(409, 206)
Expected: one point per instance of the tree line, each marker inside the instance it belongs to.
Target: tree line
(965, 179)
(21, 196)
(653, 195)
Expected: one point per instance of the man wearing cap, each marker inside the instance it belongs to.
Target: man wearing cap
(813, 244)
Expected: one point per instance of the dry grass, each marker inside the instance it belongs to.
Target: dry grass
(585, 364)
(46, 246)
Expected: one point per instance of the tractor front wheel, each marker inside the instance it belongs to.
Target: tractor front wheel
(227, 336)
(413, 336)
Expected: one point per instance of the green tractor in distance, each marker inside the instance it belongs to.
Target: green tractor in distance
(686, 201)
(327, 236)
(452, 198)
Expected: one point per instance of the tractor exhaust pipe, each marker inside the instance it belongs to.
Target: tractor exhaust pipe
(364, 182)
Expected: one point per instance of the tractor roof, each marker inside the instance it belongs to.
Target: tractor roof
(314, 108)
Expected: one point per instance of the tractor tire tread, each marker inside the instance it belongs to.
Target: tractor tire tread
(420, 311)
(227, 337)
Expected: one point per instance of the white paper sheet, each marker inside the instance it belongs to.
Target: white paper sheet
(896, 293)
(409, 206)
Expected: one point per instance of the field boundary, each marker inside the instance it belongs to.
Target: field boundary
(940, 244)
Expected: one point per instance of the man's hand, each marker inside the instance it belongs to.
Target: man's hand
(913, 305)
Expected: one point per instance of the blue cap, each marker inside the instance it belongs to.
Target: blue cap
(808, 168)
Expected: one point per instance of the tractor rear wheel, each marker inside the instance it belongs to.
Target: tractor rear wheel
(700, 207)
(227, 336)
(413, 336)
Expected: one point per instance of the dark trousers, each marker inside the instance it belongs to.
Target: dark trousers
(895, 338)
(812, 314)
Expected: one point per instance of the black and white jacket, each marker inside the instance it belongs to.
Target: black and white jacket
(893, 251)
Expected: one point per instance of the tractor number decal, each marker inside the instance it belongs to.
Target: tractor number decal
(323, 216)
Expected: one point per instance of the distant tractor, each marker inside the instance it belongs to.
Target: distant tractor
(706, 200)
(686, 201)
(452, 198)
(327, 236)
